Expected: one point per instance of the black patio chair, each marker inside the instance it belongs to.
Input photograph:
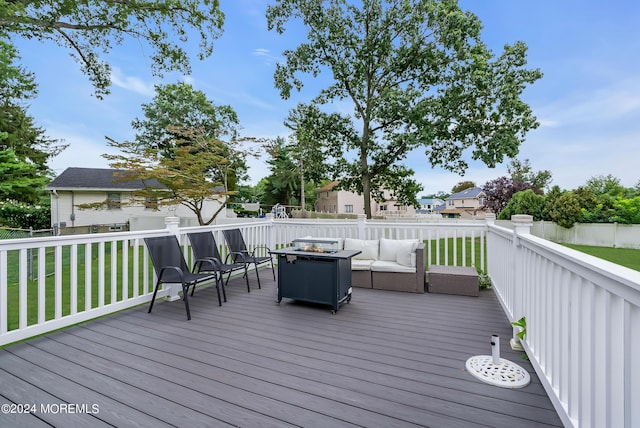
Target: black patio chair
(171, 267)
(240, 254)
(208, 259)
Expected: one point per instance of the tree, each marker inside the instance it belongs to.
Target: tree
(26, 146)
(417, 74)
(20, 181)
(179, 105)
(306, 147)
(187, 173)
(499, 192)
(566, 210)
(627, 210)
(608, 185)
(524, 202)
(91, 27)
(463, 185)
(522, 171)
(284, 180)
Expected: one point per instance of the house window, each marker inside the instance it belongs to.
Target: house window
(348, 208)
(113, 201)
(383, 208)
(151, 203)
(481, 201)
(451, 202)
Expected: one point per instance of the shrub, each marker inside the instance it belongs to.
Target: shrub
(20, 215)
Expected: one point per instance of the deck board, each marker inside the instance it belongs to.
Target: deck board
(385, 359)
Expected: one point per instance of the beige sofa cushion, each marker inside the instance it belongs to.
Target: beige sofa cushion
(401, 251)
(361, 264)
(368, 248)
(384, 266)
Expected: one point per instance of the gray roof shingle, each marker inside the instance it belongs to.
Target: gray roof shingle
(96, 179)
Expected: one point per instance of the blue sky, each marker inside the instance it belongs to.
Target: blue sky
(588, 102)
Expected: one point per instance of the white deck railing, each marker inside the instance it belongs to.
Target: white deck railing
(37, 274)
(582, 324)
(583, 313)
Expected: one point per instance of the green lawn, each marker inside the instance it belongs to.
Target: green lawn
(623, 256)
(32, 284)
(468, 242)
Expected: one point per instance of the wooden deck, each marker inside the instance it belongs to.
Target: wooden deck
(387, 359)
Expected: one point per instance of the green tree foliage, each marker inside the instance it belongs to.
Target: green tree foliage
(20, 180)
(19, 132)
(179, 105)
(522, 171)
(601, 185)
(187, 173)
(627, 210)
(499, 192)
(565, 210)
(20, 215)
(417, 74)
(306, 147)
(16, 83)
(284, 180)
(463, 185)
(90, 28)
(525, 202)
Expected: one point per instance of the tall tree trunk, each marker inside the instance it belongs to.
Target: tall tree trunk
(303, 210)
(364, 167)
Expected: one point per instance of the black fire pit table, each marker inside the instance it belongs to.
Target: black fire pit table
(314, 270)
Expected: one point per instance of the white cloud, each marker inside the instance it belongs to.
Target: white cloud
(267, 55)
(599, 106)
(130, 83)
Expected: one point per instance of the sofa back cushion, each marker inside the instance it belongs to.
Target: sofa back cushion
(368, 247)
(401, 251)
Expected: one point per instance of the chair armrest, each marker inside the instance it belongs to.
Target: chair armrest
(173, 268)
(240, 255)
(260, 247)
(214, 262)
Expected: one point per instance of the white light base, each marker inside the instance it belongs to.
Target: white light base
(505, 374)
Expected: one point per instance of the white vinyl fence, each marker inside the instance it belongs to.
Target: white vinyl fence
(596, 234)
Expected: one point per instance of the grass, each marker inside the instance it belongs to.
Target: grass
(627, 257)
(13, 291)
(468, 242)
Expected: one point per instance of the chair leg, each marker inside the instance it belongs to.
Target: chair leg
(257, 275)
(185, 293)
(246, 275)
(153, 299)
(224, 291)
(273, 271)
(218, 291)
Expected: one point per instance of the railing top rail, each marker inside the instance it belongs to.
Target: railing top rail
(611, 275)
(48, 241)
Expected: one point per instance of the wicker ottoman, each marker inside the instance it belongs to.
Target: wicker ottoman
(453, 280)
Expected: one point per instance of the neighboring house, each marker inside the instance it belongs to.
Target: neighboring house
(465, 204)
(332, 199)
(429, 205)
(78, 186)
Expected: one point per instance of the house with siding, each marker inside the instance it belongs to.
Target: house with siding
(429, 205)
(466, 204)
(76, 187)
(332, 199)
